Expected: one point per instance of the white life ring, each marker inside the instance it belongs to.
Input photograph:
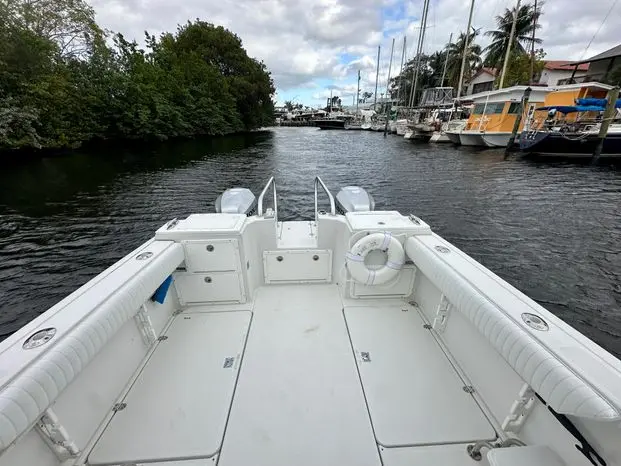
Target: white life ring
(376, 241)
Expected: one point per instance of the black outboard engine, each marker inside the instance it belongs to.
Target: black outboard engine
(236, 201)
(354, 199)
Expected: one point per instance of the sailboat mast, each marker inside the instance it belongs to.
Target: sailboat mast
(508, 52)
(392, 51)
(446, 59)
(358, 94)
(532, 47)
(401, 70)
(465, 52)
(421, 41)
(376, 78)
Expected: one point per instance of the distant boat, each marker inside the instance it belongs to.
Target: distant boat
(453, 130)
(572, 144)
(493, 116)
(330, 123)
(353, 125)
(569, 122)
(401, 127)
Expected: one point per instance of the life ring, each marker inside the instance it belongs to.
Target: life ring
(385, 242)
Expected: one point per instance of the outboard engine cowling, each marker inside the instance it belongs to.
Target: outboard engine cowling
(354, 199)
(236, 201)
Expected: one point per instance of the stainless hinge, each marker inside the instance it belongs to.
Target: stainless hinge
(119, 407)
(468, 389)
(162, 338)
(228, 362)
(366, 356)
(177, 312)
(442, 313)
(427, 326)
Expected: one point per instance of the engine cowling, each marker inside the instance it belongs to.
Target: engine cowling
(354, 199)
(236, 201)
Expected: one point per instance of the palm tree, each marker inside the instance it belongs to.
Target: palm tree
(456, 51)
(526, 19)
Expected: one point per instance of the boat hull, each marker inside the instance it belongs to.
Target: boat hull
(569, 145)
(453, 137)
(330, 124)
(496, 139)
(471, 139)
(439, 137)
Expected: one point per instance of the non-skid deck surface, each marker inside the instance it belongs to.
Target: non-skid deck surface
(298, 399)
(435, 455)
(415, 397)
(178, 406)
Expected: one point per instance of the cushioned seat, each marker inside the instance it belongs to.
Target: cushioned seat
(563, 388)
(84, 322)
(535, 455)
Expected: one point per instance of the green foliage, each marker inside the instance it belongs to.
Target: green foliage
(614, 77)
(523, 38)
(432, 67)
(518, 71)
(62, 84)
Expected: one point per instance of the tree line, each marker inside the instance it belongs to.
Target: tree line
(64, 81)
(518, 72)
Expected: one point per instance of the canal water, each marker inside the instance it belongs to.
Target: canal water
(553, 230)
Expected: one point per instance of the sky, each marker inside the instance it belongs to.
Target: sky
(315, 47)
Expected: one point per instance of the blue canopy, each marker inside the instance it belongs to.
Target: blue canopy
(572, 108)
(597, 102)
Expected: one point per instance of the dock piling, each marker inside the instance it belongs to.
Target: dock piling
(613, 95)
(518, 119)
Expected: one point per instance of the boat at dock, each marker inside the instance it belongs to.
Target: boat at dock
(355, 337)
(330, 123)
(569, 122)
(572, 141)
(494, 113)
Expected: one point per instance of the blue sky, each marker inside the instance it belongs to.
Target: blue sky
(313, 46)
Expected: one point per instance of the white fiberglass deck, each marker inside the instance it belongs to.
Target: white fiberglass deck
(301, 392)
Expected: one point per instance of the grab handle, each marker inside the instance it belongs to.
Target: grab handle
(319, 182)
(262, 195)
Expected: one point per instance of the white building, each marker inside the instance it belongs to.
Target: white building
(482, 81)
(557, 72)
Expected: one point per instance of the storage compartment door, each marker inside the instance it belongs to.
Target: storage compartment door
(415, 397)
(178, 406)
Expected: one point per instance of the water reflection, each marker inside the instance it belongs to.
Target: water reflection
(550, 229)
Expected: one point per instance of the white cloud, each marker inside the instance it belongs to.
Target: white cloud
(305, 42)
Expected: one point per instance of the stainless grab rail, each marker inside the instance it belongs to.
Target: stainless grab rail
(262, 195)
(318, 182)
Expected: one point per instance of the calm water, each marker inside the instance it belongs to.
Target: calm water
(551, 230)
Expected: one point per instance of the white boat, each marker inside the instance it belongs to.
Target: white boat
(497, 138)
(355, 338)
(471, 138)
(367, 126)
(439, 137)
(401, 127)
(453, 130)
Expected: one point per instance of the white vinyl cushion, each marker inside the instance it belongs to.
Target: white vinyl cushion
(536, 455)
(565, 391)
(29, 393)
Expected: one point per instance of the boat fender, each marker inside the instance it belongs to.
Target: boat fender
(385, 242)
